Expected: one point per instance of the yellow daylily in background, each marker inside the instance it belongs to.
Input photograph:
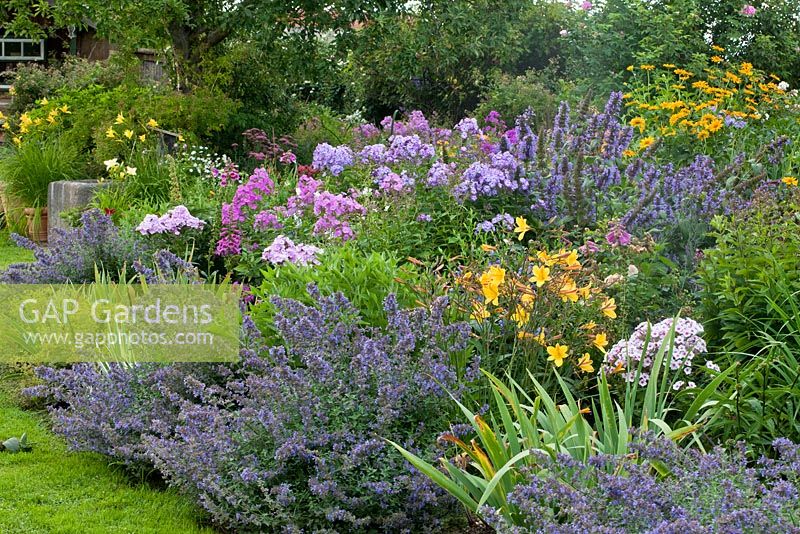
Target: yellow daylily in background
(152, 123)
(120, 119)
(142, 138)
(110, 133)
(128, 134)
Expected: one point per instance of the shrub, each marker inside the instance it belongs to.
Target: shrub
(750, 280)
(77, 254)
(32, 82)
(366, 279)
(291, 438)
(512, 95)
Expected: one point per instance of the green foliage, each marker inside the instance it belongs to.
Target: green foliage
(449, 233)
(32, 81)
(512, 95)
(29, 168)
(502, 455)
(618, 33)
(366, 279)
(751, 276)
(751, 302)
(438, 58)
(760, 401)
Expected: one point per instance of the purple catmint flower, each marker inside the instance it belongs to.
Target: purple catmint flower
(73, 255)
(288, 424)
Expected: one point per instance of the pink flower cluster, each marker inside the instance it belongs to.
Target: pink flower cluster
(331, 210)
(172, 222)
(637, 354)
(247, 197)
(230, 173)
(283, 250)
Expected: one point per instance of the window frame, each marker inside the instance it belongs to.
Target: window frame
(23, 42)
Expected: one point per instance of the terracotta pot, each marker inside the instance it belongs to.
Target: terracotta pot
(37, 224)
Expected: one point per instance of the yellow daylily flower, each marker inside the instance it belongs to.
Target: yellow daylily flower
(479, 311)
(569, 291)
(128, 134)
(557, 354)
(585, 363)
(142, 138)
(609, 308)
(541, 275)
(520, 316)
(152, 123)
(120, 119)
(491, 281)
(110, 133)
(600, 341)
(522, 227)
(545, 258)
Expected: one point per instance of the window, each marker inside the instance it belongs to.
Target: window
(12, 49)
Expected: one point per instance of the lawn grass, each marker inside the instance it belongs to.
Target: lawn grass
(10, 252)
(52, 490)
